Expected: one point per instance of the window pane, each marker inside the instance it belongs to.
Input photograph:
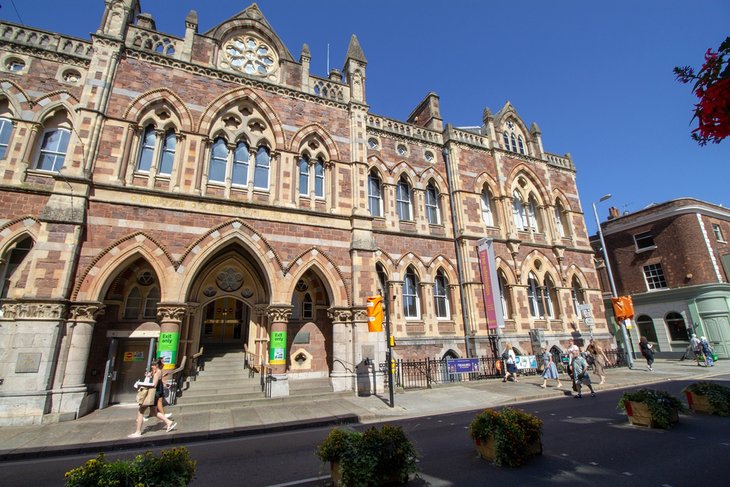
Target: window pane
(167, 158)
(644, 241)
(261, 174)
(150, 304)
(134, 300)
(432, 210)
(239, 175)
(6, 127)
(374, 195)
(677, 328)
(487, 216)
(304, 176)
(319, 179)
(218, 159)
(53, 150)
(654, 276)
(403, 200)
(440, 296)
(410, 295)
(147, 149)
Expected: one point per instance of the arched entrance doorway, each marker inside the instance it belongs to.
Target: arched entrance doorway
(225, 321)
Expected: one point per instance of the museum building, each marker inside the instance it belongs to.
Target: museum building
(163, 195)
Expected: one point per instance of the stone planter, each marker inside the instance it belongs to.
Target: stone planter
(699, 403)
(487, 449)
(639, 415)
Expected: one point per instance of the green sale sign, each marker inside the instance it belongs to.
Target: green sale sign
(277, 349)
(167, 348)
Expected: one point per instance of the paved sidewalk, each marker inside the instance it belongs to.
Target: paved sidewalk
(107, 429)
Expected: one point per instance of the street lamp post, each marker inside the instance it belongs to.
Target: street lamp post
(622, 325)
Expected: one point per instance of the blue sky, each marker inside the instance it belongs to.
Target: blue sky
(595, 76)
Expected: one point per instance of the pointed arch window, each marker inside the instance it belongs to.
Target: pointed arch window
(561, 221)
(382, 279)
(218, 161)
(533, 215)
(518, 211)
(411, 300)
(150, 303)
(134, 301)
(514, 142)
(550, 298)
(307, 307)
(441, 300)
(505, 139)
(504, 295)
(11, 261)
(241, 154)
(521, 144)
(433, 212)
(6, 128)
(577, 294)
(167, 155)
(403, 199)
(147, 149)
(304, 175)
(375, 199)
(534, 297)
(261, 173)
(319, 178)
(487, 204)
(53, 149)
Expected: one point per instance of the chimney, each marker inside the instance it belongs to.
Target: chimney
(613, 213)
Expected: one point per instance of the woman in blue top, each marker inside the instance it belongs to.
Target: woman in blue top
(549, 370)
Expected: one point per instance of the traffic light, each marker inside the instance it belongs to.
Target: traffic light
(375, 313)
(623, 308)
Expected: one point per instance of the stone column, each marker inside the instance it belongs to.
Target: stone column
(170, 316)
(343, 348)
(81, 321)
(279, 317)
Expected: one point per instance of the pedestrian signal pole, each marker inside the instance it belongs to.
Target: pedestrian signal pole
(376, 310)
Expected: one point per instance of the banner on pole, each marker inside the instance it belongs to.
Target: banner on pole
(488, 271)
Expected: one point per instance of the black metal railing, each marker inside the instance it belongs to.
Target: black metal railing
(423, 374)
(266, 378)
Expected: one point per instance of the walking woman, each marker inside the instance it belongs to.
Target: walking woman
(599, 359)
(647, 351)
(157, 386)
(510, 363)
(550, 371)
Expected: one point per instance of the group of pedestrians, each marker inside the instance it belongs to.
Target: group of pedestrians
(577, 366)
(702, 351)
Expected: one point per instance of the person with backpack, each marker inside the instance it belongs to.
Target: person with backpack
(510, 363)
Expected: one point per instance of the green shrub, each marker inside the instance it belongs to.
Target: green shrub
(514, 433)
(371, 458)
(662, 405)
(173, 468)
(718, 396)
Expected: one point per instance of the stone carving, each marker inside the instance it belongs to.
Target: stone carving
(229, 280)
(30, 311)
(85, 311)
(340, 314)
(167, 313)
(280, 313)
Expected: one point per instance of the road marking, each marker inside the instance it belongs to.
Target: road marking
(303, 481)
(563, 454)
(594, 463)
(628, 474)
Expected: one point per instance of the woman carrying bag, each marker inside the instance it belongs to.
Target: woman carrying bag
(146, 398)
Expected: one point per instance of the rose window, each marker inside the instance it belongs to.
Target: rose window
(250, 55)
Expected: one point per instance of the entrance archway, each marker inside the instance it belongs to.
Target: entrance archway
(225, 321)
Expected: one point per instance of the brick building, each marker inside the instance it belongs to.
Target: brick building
(163, 193)
(673, 258)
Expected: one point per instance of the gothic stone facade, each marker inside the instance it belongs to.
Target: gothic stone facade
(211, 190)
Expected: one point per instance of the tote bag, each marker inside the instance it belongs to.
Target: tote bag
(146, 396)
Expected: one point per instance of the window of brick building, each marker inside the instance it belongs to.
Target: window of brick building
(654, 275)
(718, 232)
(644, 241)
(676, 326)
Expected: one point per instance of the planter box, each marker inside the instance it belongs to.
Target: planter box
(486, 449)
(699, 403)
(336, 475)
(639, 415)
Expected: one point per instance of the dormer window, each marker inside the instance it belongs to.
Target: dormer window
(644, 241)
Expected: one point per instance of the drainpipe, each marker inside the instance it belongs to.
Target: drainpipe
(464, 313)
